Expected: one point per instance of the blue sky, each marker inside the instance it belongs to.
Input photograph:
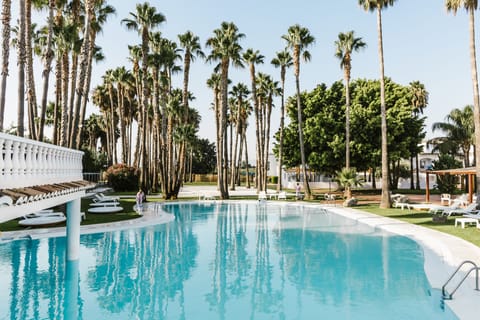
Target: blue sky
(421, 42)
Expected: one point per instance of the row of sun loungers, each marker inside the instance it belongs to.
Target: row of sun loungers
(104, 204)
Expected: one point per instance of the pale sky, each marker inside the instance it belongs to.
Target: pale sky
(421, 42)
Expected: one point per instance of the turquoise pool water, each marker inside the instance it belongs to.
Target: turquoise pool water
(223, 261)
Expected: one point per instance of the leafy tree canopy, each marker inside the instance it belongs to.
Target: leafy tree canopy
(324, 115)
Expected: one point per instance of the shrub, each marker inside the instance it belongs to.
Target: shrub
(122, 177)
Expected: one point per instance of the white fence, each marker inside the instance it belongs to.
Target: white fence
(25, 163)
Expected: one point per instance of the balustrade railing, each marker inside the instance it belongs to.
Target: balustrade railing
(25, 163)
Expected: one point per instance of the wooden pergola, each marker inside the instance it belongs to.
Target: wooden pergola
(470, 172)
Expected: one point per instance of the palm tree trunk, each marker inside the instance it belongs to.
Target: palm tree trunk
(306, 185)
(6, 17)
(65, 116)
(385, 201)
(21, 71)
(31, 93)
(47, 67)
(246, 157)
(476, 100)
(282, 124)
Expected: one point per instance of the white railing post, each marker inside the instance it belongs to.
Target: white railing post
(25, 162)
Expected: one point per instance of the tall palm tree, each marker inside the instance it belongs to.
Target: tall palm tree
(419, 102)
(214, 83)
(227, 50)
(83, 70)
(239, 93)
(378, 6)
(47, 57)
(101, 12)
(192, 49)
(30, 84)
(21, 69)
(143, 20)
(471, 6)
(345, 45)
(253, 57)
(299, 39)
(282, 60)
(6, 17)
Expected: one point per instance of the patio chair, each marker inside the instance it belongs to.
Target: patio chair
(262, 195)
(402, 202)
(282, 195)
(445, 197)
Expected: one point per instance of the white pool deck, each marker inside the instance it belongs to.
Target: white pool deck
(443, 253)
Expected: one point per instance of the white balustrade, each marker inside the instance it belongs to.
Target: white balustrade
(25, 163)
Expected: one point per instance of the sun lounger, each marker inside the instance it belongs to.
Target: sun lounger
(100, 197)
(107, 209)
(43, 219)
(104, 204)
(471, 209)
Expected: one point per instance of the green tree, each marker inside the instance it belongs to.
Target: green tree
(298, 40)
(345, 45)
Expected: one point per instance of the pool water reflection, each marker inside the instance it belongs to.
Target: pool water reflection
(223, 261)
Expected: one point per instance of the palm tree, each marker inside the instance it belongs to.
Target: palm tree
(47, 57)
(239, 93)
(419, 102)
(345, 45)
(253, 57)
(348, 178)
(225, 49)
(6, 17)
(101, 12)
(379, 5)
(143, 21)
(192, 49)
(30, 84)
(299, 39)
(459, 134)
(471, 6)
(283, 60)
(21, 70)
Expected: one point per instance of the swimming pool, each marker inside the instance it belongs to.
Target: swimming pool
(223, 261)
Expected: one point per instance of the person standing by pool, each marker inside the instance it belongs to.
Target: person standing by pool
(298, 188)
(139, 199)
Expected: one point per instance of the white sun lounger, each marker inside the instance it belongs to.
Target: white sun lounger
(42, 220)
(107, 209)
(105, 204)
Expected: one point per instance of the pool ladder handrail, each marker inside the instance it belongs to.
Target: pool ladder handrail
(474, 268)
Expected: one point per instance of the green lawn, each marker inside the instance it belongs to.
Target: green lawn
(424, 219)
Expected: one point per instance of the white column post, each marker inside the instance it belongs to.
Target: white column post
(70, 303)
(73, 229)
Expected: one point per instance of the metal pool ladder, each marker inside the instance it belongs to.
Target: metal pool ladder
(448, 296)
